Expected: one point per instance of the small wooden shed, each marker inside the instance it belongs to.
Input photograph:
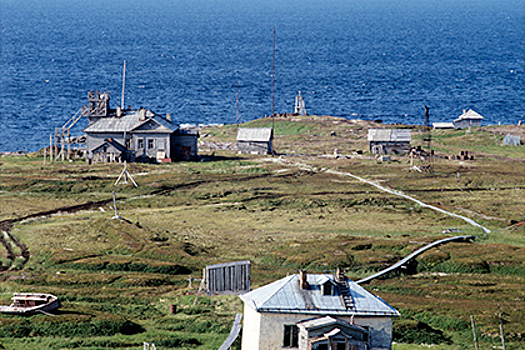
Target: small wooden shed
(389, 141)
(255, 140)
(228, 278)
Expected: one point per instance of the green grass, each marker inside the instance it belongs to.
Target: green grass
(280, 216)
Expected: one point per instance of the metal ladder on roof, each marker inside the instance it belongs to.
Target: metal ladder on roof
(346, 297)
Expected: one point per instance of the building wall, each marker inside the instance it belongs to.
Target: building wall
(265, 331)
(389, 147)
(465, 123)
(250, 329)
(185, 143)
(95, 140)
(253, 147)
(161, 142)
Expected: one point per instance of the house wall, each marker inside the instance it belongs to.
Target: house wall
(465, 123)
(95, 140)
(161, 143)
(389, 147)
(183, 142)
(253, 147)
(265, 331)
(250, 329)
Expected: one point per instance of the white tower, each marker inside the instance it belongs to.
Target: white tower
(299, 105)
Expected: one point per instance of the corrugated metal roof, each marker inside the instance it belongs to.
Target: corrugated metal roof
(389, 135)
(443, 125)
(255, 134)
(285, 296)
(470, 114)
(130, 120)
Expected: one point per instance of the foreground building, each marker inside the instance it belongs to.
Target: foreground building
(134, 135)
(316, 312)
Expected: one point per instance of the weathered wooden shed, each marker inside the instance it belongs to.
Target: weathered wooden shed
(227, 278)
(389, 141)
(255, 140)
(467, 119)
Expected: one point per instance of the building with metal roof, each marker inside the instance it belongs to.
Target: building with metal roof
(467, 119)
(142, 133)
(255, 140)
(389, 141)
(280, 306)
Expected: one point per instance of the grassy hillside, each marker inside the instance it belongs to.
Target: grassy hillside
(118, 277)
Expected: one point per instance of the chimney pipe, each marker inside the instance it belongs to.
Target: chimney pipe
(303, 280)
(168, 117)
(142, 115)
(119, 112)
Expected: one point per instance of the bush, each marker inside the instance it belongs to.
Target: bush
(417, 332)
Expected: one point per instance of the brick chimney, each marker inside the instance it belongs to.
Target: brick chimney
(303, 279)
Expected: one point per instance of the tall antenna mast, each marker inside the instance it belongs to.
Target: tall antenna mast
(273, 73)
(237, 100)
(123, 85)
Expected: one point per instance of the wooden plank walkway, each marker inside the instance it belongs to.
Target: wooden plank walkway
(415, 254)
(234, 333)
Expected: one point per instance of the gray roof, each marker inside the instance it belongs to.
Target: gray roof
(129, 121)
(255, 134)
(389, 135)
(470, 114)
(285, 296)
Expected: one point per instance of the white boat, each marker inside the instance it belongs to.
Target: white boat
(30, 303)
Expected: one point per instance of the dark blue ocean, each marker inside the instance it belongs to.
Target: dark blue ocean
(368, 59)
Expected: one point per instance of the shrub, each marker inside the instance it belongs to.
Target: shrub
(417, 332)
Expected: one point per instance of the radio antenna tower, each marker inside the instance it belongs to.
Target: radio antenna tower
(273, 75)
(123, 85)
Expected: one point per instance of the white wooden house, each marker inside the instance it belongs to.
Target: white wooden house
(467, 119)
(315, 312)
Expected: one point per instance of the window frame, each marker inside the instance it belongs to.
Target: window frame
(291, 336)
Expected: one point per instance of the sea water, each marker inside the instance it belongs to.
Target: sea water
(357, 59)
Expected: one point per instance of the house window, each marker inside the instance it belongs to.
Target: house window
(291, 336)
(328, 289)
(140, 144)
(151, 144)
(128, 143)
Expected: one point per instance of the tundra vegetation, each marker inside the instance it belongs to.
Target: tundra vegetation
(118, 278)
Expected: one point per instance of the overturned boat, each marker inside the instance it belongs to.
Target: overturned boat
(31, 303)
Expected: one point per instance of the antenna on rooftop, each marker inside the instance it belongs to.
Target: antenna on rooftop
(123, 85)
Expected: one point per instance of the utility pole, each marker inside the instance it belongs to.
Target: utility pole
(123, 85)
(273, 74)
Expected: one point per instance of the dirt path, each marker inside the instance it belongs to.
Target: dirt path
(385, 189)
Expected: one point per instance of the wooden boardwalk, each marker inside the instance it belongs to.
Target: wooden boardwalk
(415, 254)
(234, 333)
